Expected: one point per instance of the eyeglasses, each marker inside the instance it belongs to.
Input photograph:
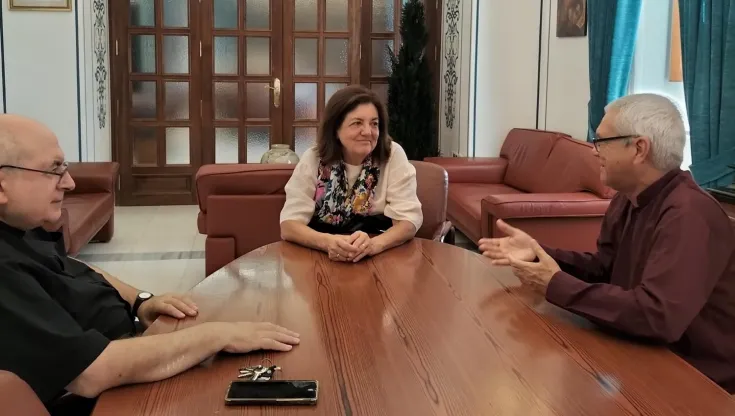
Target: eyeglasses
(59, 171)
(597, 140)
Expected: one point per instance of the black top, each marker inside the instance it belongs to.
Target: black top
(56, 314)
(370, 224)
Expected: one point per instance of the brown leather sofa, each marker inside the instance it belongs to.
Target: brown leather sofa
(240, 207)
(17, 397)
(545, 183)
(88, 212)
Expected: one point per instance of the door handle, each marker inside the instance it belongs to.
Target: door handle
(276, 92)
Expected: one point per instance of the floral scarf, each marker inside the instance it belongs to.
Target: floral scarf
(335, 204)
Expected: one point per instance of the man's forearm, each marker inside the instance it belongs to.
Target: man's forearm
(149, 358)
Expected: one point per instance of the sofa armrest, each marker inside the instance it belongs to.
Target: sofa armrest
(472, 169)
(94, 177)
(577, 204)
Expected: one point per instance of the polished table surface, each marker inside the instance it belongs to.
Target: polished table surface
(423, 329)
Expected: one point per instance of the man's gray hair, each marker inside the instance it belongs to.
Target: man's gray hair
(657, 118)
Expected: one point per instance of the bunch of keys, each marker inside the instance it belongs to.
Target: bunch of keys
(258, 372)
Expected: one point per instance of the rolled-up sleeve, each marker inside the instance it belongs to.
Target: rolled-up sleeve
(688, 256)
(300, 190)
(402, 203)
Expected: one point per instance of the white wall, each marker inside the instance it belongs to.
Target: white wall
(507, 70)
(508, 73)
(565, 90)
(650, 71)
(52, 74)
(41, 71)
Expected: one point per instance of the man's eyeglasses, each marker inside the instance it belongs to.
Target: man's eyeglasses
(597, 140)
(59, 171)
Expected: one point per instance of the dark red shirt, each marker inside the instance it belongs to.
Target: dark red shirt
(664, 270)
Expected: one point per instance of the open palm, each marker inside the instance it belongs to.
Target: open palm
(517, 244)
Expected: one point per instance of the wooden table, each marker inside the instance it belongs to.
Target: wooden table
(424, 329)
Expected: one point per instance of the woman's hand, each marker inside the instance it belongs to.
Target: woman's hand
(365, 245)
(340, 248)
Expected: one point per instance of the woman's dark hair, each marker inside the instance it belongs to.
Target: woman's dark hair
(345, 100)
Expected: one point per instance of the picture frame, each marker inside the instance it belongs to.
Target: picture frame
(571, 18)
(40, 5)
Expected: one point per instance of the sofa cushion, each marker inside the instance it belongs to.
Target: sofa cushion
(464, 204)
(571, 167)
(526, 151)
(88, 213)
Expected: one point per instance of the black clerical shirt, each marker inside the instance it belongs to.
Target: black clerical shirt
(56, 314)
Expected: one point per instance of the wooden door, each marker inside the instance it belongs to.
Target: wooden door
(321, 55)
(157, 106)
(242, 55)
(219, 81)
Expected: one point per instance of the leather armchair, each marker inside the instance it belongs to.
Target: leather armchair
(88, 212)
(240, 207)
(17, 397)
(543, 182)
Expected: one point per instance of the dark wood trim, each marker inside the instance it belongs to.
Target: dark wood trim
(434, 24)
(279, 26)
(355, 66)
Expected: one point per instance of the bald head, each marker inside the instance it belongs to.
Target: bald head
(21, 137)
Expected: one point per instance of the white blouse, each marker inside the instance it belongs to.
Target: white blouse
(395, 194)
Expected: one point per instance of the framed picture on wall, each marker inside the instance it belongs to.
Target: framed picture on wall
(571, 18)
(41, 5)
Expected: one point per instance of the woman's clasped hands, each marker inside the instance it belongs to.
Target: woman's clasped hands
(351, 248)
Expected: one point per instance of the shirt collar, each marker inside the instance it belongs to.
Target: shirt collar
(648, 194)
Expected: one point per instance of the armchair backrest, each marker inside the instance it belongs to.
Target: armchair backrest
(432, 185)
(243, 201)
(542, 161)
(526, 151)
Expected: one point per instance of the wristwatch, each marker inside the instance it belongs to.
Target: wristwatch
(142, 297)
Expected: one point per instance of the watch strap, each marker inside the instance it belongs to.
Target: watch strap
(139, 301)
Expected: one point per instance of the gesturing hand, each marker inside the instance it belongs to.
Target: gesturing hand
(244, 337)
(517, 243)
(535, 274)
(172, 304)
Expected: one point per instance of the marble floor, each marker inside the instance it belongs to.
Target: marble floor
(158, 249)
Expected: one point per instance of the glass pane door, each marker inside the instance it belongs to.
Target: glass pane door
(243, 81)
(159, 107)
(381, 28)
(320, 55)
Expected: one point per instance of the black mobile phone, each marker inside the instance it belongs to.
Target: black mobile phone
(281, 392)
